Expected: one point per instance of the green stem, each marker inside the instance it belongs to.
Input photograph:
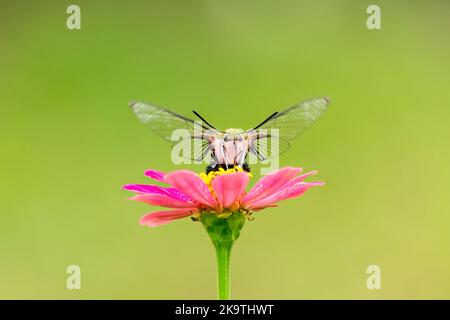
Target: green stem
(223, 253)
(223, 231)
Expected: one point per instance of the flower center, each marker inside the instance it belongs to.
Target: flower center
(209, 177)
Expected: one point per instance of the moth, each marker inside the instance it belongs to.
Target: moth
(232, 147)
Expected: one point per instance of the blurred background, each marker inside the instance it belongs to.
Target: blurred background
(69, 142)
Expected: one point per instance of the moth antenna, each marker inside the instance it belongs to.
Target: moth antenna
(201, 118)
(271, 116)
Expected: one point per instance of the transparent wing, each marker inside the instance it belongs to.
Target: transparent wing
(296, 119)
(189, 138)
(163, 122)
(192, 149)
(267, 144)
(271, 138)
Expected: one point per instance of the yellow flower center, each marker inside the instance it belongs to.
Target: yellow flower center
(208, 178)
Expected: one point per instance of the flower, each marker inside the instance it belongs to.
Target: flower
(220, 192)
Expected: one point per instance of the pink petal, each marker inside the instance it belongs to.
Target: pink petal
(142, 188)
(162, 217)
(155, 175)
(191, 184)
(305, 175)
(290, 192)
(270, 184)
(163, 200)
(297, 180)
(229, 188)
(152, 189)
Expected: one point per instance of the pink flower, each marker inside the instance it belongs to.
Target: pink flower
(221, 192)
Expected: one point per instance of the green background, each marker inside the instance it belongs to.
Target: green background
(69, 142)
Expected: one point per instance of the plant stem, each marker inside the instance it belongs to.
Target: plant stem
(223, 231)
(223, 253)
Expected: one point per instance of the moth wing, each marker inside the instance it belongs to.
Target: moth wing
(271, 138)
(294, 120)
(169, 125)
(267, 147)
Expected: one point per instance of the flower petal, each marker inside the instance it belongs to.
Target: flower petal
(229, 188)
(289, 192)
(155, 175)
(305, 175)
(270, 184)
(162, 217)
(163, 200)
(297, 180)
(152, 189)
(191, 184)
